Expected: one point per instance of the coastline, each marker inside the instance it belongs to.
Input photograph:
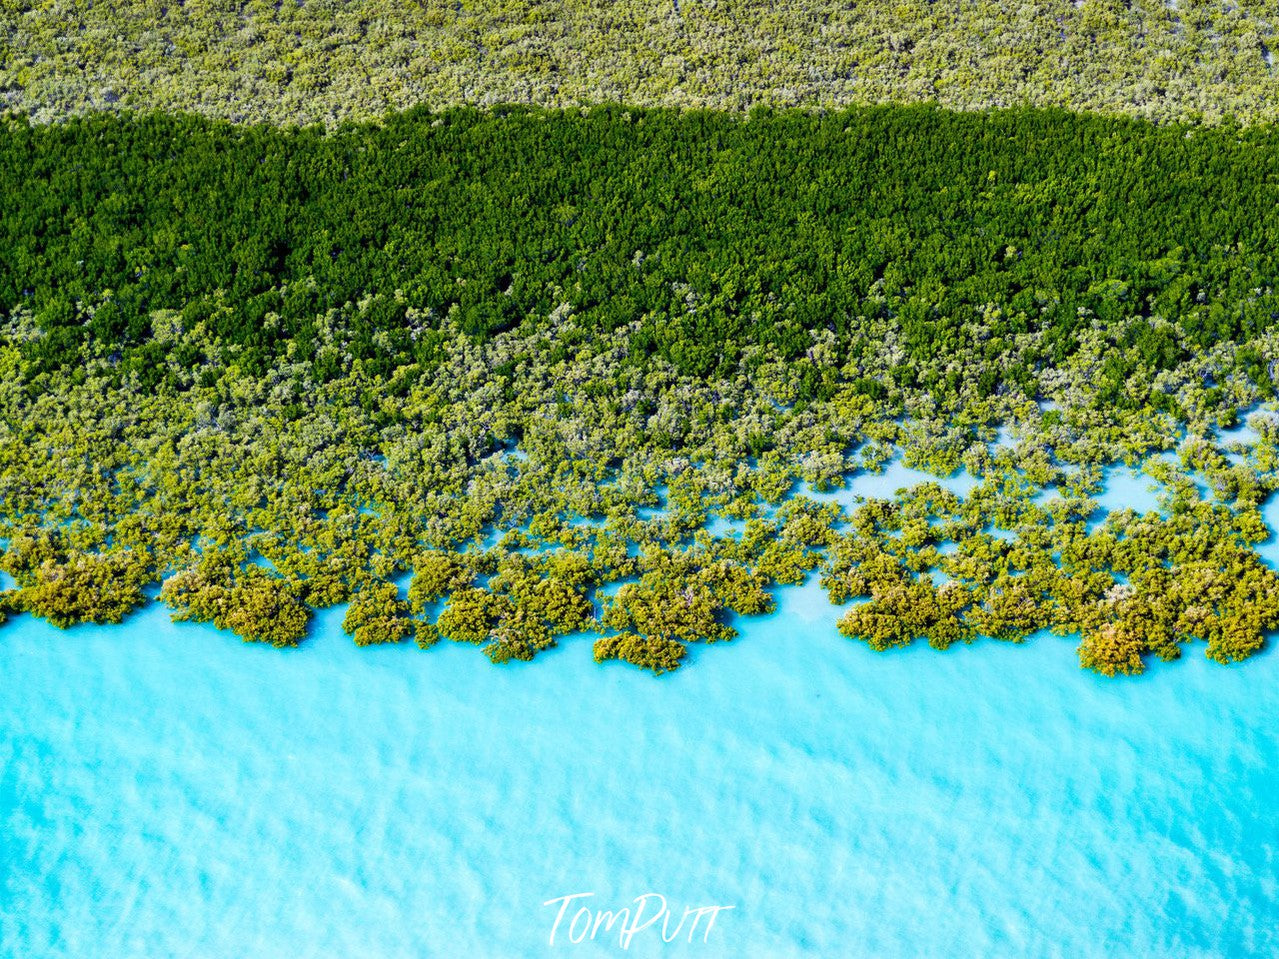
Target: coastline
(976, 800)
(484, 347)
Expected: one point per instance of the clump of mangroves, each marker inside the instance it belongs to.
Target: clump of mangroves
(327, 61)
(638, 439)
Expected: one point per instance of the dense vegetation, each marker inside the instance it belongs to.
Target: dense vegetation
(269, 369)
(711, 233)
(328, 60)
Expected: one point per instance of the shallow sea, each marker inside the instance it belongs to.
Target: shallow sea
(166, 790)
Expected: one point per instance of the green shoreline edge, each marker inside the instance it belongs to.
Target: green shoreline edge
(188, 389)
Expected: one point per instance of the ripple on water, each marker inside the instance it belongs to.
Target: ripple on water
(166, 790)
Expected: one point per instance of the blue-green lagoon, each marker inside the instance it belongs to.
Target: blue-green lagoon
(166, 790)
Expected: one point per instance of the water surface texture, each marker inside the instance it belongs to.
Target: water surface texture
(168, 791)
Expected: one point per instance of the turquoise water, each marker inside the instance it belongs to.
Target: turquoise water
(166, 790)
(1125, 488)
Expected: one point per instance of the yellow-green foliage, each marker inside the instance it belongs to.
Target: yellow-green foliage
(514, 473)
(668, 607)
(520, 611)
(657, 654)
(265, 610)
(521, 635)
(378, 615)
(435, 575)
(1191, 576)
(425, 634)
(901, 611)
(190, 486)
(83, 589)
(252, 604)
(1112, 649)
(325, 60)
(471, 615)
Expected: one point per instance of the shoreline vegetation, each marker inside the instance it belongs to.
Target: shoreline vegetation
(324, 61)
(522, 356)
